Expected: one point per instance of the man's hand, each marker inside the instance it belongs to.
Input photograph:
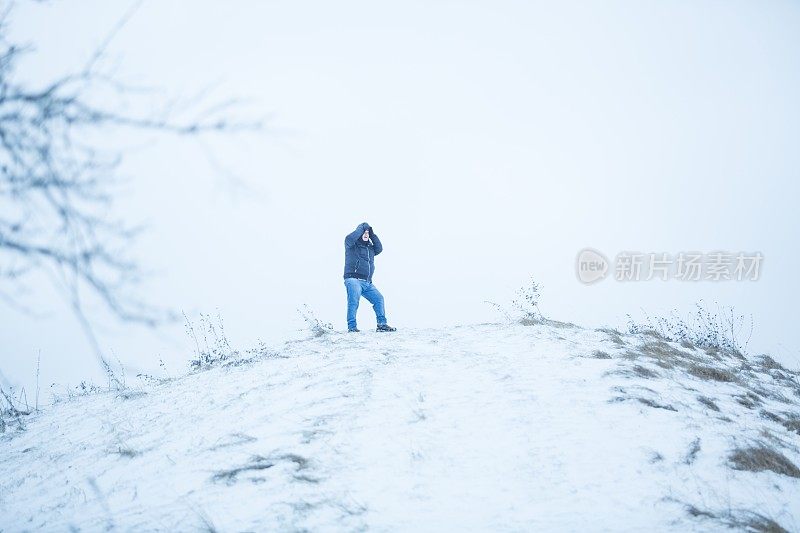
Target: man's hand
(370, 230)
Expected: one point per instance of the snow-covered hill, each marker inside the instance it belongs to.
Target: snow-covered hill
(487, 427)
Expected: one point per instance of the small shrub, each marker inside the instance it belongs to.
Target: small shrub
(721, 330)
(11, 410)
(211, 343)
(526, 303)
(315, 325)
(116, 382)
(524, 307)
(84, 388)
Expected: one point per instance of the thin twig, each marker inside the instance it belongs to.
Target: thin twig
(38, 363)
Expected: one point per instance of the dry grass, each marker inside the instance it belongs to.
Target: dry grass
(708, 402)
(790, 421)
(705, 328)
(656, 457)
(686, 344)
(770, 416)
(790, 379)
(643, 372)
(694, 449)
(11, 410)
(542, 321)
(760, 458)
(636, 371)
(656, 405)
(614, 335)
(709, 373)
(699, 513)
(230, 476)
(767, 363)
(748, 399)
(667, 356)
(716, 366)
(759, 524)
(740, 520)
(773, 394)
(128, 452)
(753, 522)
(259, 462)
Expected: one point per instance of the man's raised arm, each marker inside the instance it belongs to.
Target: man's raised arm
(352, 239)
(375, 241)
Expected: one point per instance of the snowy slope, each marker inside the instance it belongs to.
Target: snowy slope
(483, 428)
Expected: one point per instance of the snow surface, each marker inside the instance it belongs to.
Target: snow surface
(475, 428)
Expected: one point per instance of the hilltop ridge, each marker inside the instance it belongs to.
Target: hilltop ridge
(547, 426)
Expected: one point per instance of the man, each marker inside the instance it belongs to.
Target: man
(360, 249)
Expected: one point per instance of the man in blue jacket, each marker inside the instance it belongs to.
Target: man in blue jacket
(360, 249)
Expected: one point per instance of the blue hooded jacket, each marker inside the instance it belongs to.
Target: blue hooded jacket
(359, 256)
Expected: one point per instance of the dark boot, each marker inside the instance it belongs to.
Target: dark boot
(385, 327)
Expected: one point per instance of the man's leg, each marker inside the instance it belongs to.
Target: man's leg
(353, 287)
(374, 296)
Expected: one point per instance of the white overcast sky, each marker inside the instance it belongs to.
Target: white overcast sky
(486, 142)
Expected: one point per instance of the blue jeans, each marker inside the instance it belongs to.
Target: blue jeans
(356, 288)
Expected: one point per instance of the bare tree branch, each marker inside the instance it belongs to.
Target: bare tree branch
(57, 188)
